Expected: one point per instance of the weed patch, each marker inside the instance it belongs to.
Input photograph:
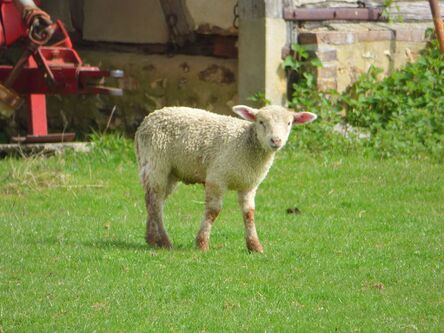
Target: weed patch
(34, 174)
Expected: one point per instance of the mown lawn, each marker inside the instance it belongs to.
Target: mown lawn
(365, 254)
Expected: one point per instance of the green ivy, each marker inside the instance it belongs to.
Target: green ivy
(259, 99)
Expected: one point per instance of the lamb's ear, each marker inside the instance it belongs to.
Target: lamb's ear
(245, 112)
(303, 117)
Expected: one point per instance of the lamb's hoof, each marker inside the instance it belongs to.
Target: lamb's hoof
(152, 240)
(157, 241)
(202, 244)
(165, 243)
(253, 245)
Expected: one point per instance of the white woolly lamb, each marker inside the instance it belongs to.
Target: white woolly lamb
(221, 152)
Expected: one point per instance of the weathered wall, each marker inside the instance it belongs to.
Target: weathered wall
(143, 21)
(348, 49)
(131, 21)
(212, 15)
(385, 54)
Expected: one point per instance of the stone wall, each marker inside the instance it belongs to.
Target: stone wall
(348, 50)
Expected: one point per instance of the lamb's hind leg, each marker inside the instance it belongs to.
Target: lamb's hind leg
(156, 193)
(152, 234)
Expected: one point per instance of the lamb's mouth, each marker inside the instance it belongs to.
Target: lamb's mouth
(275, 147)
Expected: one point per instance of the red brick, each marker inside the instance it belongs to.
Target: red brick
(308, 38)
(374, 35)
(326, 55)
(326, 72)
(410, 35)
(327, 84)
(337, 37)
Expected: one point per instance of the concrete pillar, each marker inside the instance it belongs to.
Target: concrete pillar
(262, 35)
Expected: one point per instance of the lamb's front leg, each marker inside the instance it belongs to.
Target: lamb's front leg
(213, 204)
(246, 202)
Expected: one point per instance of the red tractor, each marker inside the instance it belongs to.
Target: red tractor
(48, 65)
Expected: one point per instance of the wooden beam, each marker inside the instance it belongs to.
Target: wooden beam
(179, 21)
(328, 14)
(407, 11)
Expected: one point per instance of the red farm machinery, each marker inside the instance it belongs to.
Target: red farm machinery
(48, 65)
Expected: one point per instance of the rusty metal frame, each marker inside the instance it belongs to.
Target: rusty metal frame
(340, 13)
(439, 27)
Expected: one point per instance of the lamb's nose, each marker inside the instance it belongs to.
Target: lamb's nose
(276, 142)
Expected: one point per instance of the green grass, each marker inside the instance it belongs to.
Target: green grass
(365, 255)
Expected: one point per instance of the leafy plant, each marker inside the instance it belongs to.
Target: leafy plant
(300, 69)
(405, 111)
(113, 148)
(299, 58)
(386, 12)
(259, 99)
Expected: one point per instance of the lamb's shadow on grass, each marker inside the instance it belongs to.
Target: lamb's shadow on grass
(133, 246)
(110, 244)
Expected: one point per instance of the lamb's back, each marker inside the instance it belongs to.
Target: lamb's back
(189, 129)
(187, 140)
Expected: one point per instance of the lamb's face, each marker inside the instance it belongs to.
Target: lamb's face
(273, 127)
(273, 123)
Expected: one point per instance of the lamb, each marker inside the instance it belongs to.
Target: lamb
(221, 152)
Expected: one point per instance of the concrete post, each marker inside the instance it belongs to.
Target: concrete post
(262, 35)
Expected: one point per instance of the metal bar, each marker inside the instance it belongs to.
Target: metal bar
(37, 123)
(24, 4)
(52, 137)
(327, 14)
(18, 67)
(439, 28)
(179, 22)
(69, 80)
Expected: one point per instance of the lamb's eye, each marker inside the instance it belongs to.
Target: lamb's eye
(289, 123)
(261, 122)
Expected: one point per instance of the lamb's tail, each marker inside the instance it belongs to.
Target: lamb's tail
(142, 163)
(137, 148)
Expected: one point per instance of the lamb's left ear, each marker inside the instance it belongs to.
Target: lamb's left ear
(303, 117)
(245, 112)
